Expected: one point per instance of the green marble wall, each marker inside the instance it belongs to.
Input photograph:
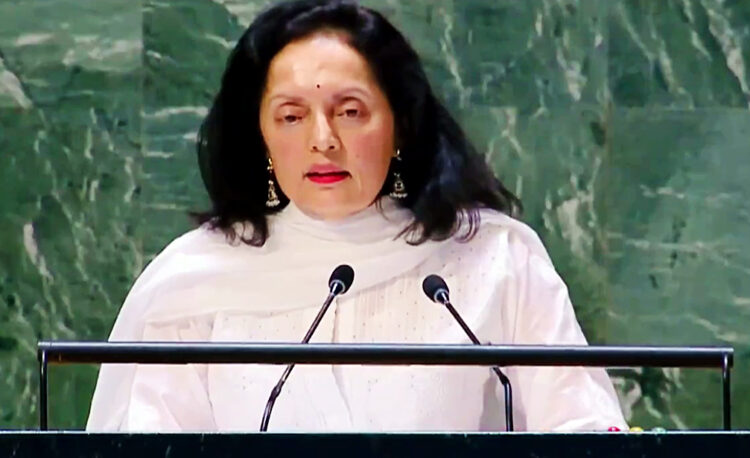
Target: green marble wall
(623, 125)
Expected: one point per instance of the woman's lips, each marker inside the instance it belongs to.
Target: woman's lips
(327, 177)
(326, 174)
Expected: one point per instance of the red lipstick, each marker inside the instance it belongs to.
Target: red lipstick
(326, 174)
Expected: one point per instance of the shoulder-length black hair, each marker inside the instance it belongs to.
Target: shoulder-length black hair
(447, 180)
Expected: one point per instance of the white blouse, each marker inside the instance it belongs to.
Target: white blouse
(504, 287)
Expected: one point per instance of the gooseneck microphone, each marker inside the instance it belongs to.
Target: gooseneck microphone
(435, 288)
(341, 280)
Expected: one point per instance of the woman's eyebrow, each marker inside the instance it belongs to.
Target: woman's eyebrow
(286, 97)
(344, 94)
(349, 92)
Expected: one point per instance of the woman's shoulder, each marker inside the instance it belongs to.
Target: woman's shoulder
(187, 260)
(196, 239)
(197, 242)
(518, 237)
(191, 248)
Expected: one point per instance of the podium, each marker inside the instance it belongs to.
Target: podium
(52, 444)
(432, 445)
(382, 354)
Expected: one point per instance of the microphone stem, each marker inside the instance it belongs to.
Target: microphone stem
(336, 289)
(332, 295)
(508, 390)
(460, 320)
(443, 297)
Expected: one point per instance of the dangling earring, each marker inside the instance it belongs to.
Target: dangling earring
(399, 188)
(273, 199)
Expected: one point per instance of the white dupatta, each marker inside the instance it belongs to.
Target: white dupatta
(201, 273)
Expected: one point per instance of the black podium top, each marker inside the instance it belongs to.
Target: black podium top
(611, 445)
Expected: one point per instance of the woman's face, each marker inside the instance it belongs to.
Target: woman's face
(328, 126)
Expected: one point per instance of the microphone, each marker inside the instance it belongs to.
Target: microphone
(435, 288)
(339, 283)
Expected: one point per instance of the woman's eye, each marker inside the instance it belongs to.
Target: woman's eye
(350, 113)
(290, 119)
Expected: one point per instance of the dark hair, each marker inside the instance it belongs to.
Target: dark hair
(447, 180)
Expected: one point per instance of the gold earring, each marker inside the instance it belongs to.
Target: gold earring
(399, 188)
(272, 200)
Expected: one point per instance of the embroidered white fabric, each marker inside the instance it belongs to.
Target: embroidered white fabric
(203, 288)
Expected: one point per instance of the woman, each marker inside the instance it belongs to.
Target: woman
(325, 145)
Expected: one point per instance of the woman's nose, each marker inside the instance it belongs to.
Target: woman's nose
(323, 137)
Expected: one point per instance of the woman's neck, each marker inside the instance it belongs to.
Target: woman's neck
(384, 218)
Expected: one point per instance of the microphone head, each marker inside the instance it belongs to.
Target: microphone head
(342, 275)
(432, 285)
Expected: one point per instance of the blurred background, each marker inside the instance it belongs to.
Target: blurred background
(622, 124)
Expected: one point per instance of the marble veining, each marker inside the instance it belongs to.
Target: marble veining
(622, 124)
